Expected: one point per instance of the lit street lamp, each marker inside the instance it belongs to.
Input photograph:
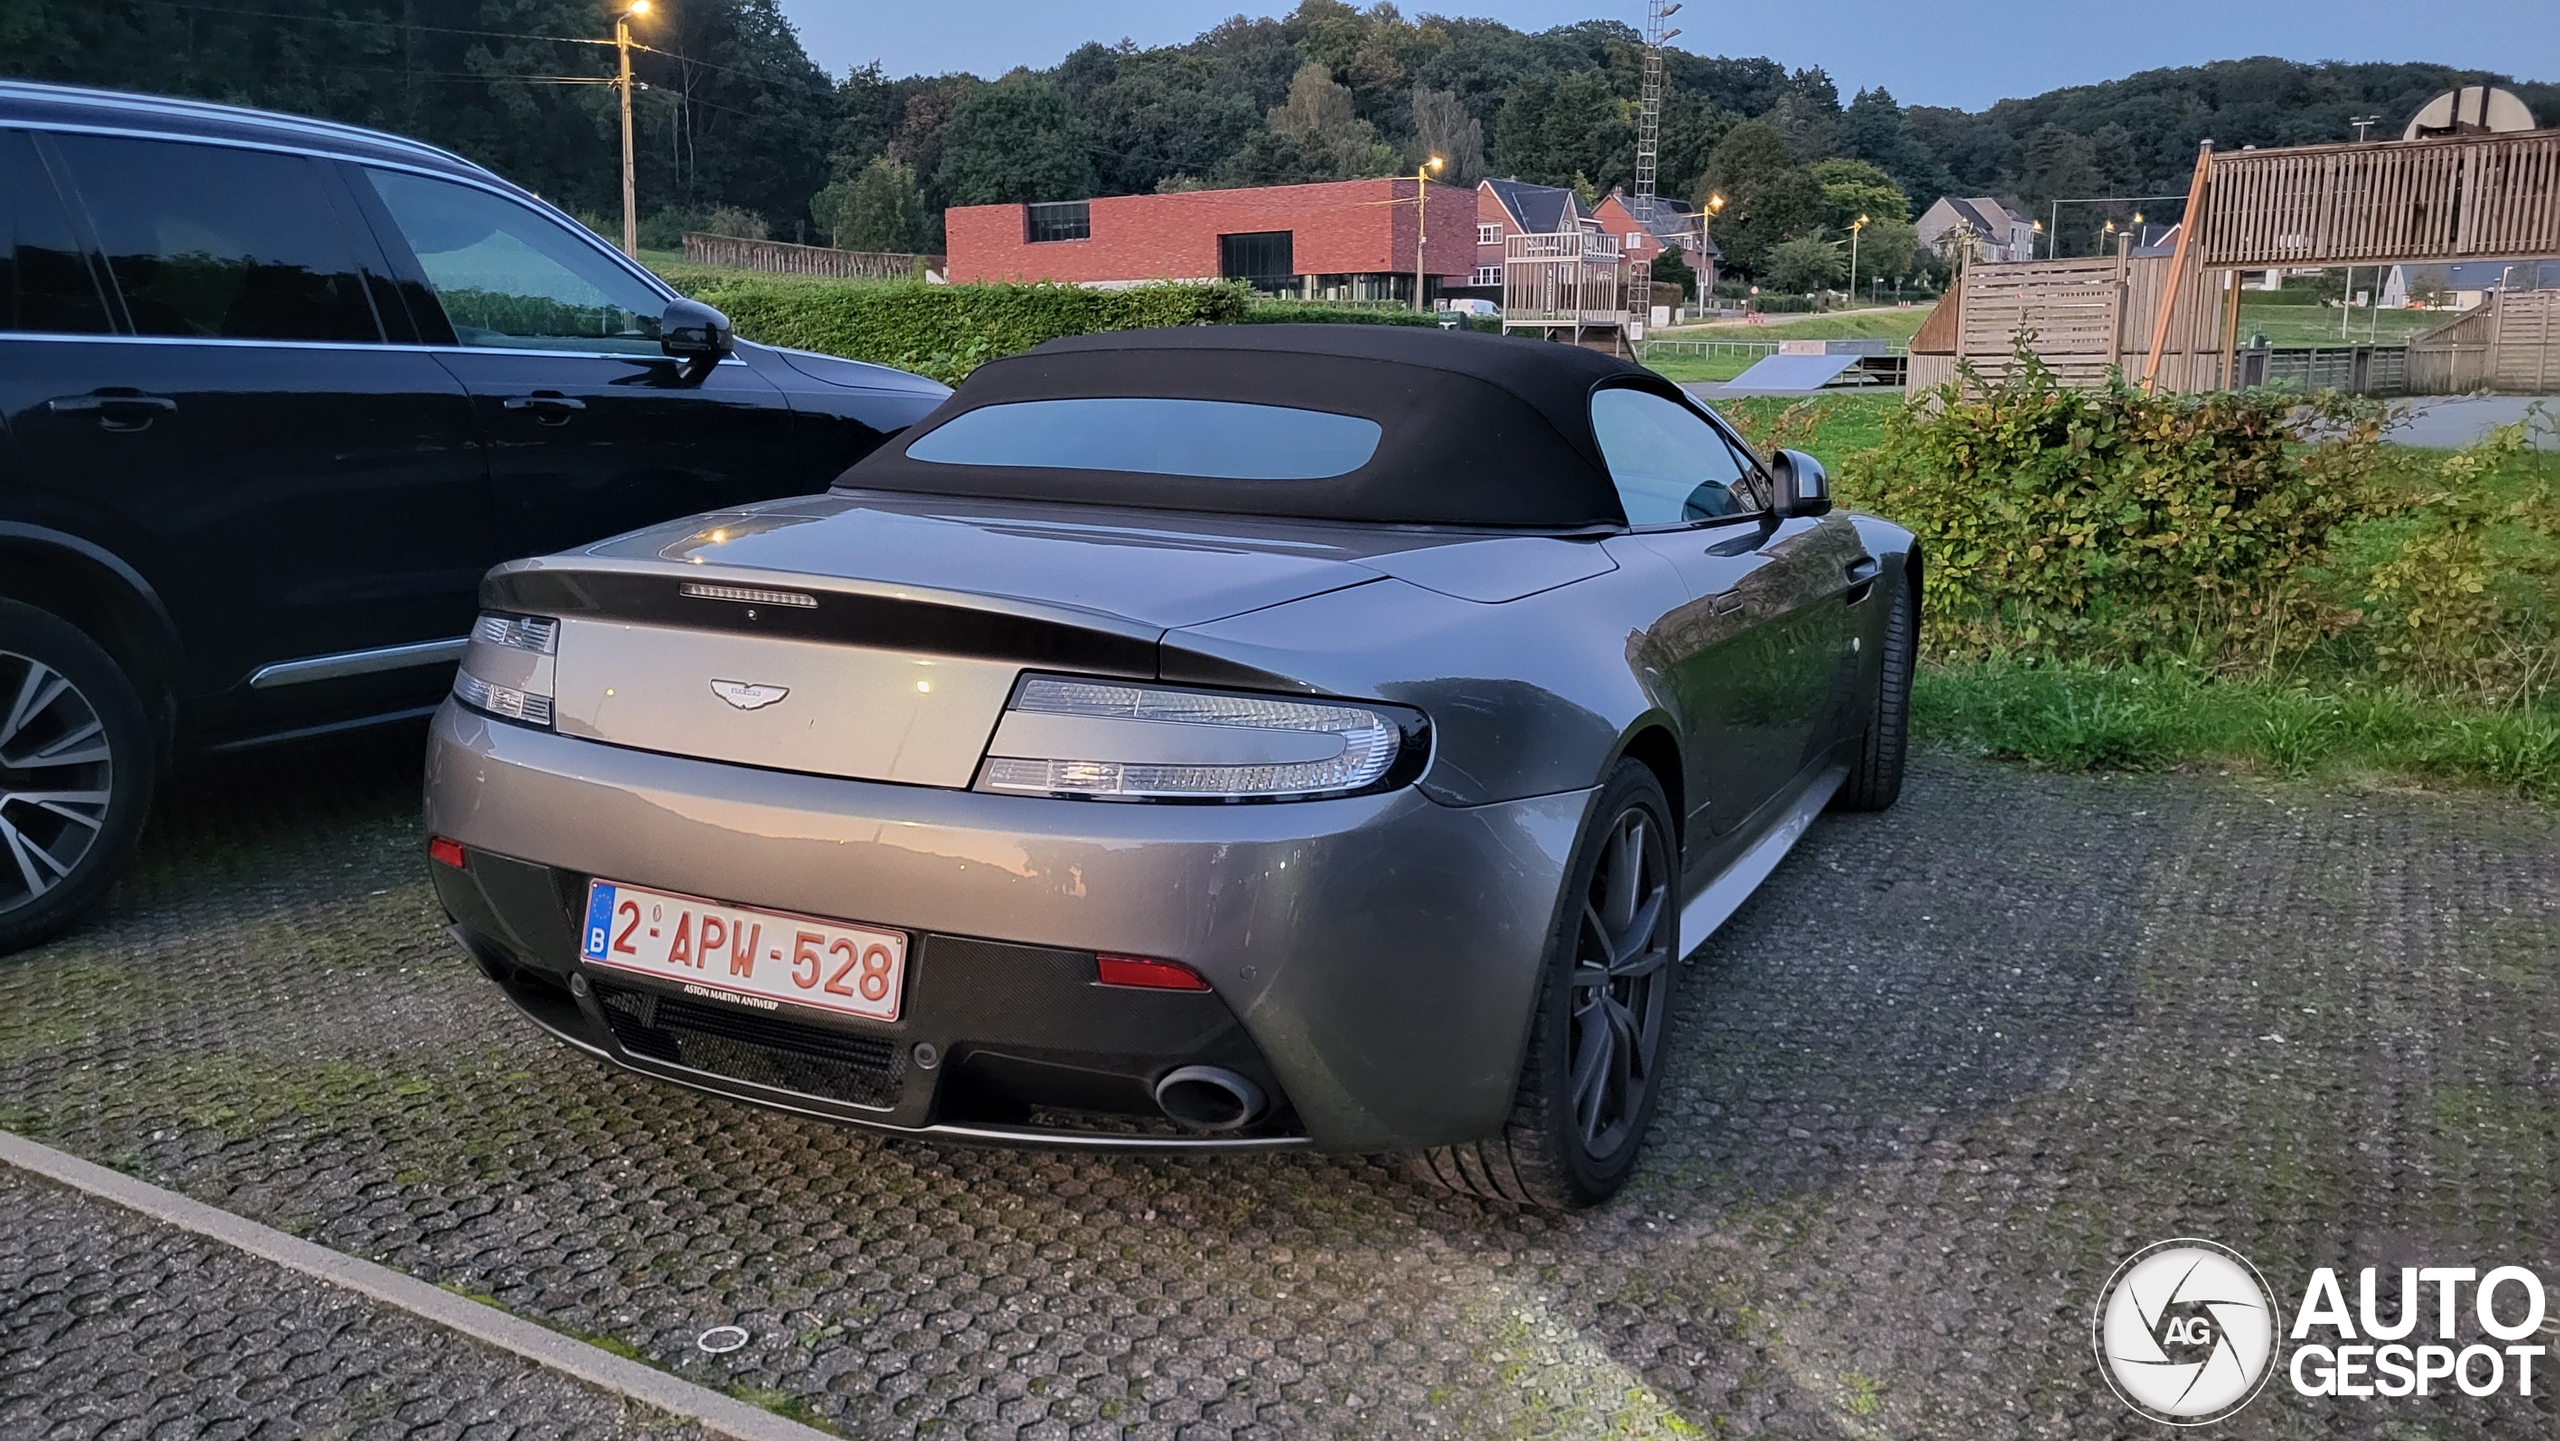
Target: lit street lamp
(1854, 229)
(1421, 212)
(1706, 250)
(630, 202)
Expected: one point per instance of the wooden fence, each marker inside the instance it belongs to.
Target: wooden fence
(783, 258)
(2081, 317)
(2511, 343)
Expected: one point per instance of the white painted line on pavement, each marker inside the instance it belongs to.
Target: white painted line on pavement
(723, 1416)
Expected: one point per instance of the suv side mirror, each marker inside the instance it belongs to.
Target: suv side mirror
(1804, 488)
(695, 333)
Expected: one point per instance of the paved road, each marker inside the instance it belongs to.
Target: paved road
(1930, 1088)
(2456, 421)
(112, 1325)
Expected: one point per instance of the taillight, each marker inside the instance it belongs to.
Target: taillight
(507, 671)
(445, 852)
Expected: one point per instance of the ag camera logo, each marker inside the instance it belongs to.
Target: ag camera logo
(2186, 1332)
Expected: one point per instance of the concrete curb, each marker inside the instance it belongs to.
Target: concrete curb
(722, 1416)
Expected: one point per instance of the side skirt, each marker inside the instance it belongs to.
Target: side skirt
(1713, 906)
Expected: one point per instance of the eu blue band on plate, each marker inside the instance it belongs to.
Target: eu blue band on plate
(599, 920)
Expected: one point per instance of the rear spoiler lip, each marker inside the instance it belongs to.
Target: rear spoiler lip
(847, 612)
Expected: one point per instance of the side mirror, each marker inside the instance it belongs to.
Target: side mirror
(695, 333)
(1804, 488)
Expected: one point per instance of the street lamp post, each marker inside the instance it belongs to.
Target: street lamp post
(1707, 250)
(1855, 227)
(630, 201)
(1421, 213)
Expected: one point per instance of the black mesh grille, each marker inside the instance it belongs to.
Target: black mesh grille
(763, 1050)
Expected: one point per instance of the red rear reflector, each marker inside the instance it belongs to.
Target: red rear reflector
(1154, 975)
(445, 853)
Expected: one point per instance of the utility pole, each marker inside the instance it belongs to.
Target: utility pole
(2363, 123)
(630, 200)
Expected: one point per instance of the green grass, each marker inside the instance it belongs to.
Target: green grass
(1896, 324)
(1701, 367)
(2295, 325)
(2080, 717)
(1831, 428)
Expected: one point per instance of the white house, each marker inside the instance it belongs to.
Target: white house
(1999, 230)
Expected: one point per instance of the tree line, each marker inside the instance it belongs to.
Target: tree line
(740, 131)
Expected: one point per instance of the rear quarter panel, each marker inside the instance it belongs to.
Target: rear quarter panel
(1526, 697)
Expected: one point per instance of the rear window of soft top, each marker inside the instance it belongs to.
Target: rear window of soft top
(1212, 439)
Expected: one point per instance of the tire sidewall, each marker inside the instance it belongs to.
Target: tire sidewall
(62, 646)
(1595, 1179)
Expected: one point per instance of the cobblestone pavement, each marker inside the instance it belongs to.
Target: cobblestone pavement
(114, 1325)
(1950, 1067)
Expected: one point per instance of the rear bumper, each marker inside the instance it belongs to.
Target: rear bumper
(1378, 954)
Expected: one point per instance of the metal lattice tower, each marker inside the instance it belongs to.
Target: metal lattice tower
(1649, 114)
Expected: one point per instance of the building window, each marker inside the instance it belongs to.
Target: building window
(1059, 220)
(1635, 240)
(1489, 234)
(1260, 255)
(1488, 275)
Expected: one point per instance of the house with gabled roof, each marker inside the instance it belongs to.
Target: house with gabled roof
(1505, 208)
(1992, 228)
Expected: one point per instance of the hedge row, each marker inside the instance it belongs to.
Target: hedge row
(946, 331)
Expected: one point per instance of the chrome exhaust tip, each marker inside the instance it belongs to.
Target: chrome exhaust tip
(1209, 1098)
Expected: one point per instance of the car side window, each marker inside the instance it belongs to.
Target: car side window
(211, 241)
(46, 285)
(512, 278)
(1671, 466)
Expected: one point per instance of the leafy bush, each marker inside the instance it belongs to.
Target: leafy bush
(2469, 597)
(2119, 526)
(1303, 312)
(944, 331)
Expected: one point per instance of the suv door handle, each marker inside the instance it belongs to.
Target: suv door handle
(121, 410)
(550, 406)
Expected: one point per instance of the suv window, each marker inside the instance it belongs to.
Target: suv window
(512, 278)
(1670, 465)
(205, 240)
(45, 282)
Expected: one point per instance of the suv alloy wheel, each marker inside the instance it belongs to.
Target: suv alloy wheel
(76, 771)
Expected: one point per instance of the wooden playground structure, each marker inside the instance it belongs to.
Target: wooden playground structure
(2172, 322)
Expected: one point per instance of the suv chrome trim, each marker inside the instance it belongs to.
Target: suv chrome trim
(92, 338)
(358, 662)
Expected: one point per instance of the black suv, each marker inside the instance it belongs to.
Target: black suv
(273, 394)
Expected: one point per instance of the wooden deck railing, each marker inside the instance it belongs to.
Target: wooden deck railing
(784, 258)
(2476, 197)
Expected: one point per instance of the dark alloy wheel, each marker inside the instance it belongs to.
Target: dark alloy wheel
(1593, 1071)
(75, 773)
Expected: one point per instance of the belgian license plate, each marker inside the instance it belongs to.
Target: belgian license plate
(754, 958)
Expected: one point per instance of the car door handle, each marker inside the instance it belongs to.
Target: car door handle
(115, 409)
(549, 406)
(1862, 577)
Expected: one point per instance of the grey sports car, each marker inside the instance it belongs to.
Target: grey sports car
(1219, 738)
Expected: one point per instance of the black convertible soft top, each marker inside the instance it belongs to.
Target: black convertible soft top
(1478, 431)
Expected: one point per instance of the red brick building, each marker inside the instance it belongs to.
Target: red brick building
(1341, 240)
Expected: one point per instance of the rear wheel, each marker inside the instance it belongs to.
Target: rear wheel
(1875, 777)
(1593, 1071)
(76, 772)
